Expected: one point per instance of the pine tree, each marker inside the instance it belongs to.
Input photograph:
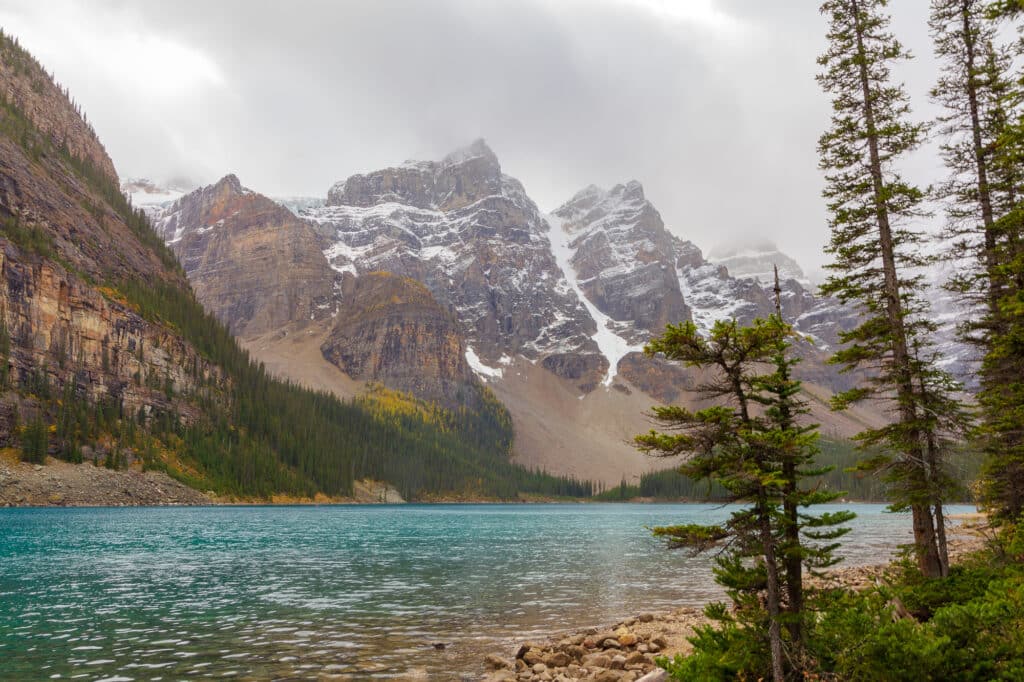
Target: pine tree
(983, 148)
(972, 89)
(874, 251)
(755, 449)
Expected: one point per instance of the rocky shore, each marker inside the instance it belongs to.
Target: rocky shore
(60, 484)
(625, 651)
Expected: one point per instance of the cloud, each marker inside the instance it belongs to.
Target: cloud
(711, 104)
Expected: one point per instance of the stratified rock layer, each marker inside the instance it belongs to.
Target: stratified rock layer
(252, 263)
(394, 332)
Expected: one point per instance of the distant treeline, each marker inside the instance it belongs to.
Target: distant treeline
(842, 456)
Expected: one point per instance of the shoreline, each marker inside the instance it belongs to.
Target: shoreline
(624, 651)
(63, 484)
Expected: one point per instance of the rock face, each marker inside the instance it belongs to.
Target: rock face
(81, 338)
(252, 263)
(260, 269)
(394, 332)
(642, 277)
(62, 237)
(623, 256)
(476, 240)
(24, 83)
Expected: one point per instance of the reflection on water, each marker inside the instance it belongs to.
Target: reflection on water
(307, 592)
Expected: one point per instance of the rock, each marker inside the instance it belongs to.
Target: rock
(618, 662)
(646, 617)
(659, 641)
(611, 643)
(627, 639)
(533, 656)
(440, 646)
(607, 676)
(599, 660)
(575, 652)
(538, 668)
(637, 657)
(658, 675)
(559, 659)
(392, 330)
(495, 662)
(501, 676)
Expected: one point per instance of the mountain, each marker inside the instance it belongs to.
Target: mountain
(439, 277)
(474, 238)
(106, 353)
(757, 260)
(251, 262)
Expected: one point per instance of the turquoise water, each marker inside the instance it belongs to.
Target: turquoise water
(302, 592)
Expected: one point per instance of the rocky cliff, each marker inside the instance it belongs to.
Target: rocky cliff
(90, 342)
(252, 263)
(393, 331)
(65, 251)
(472, 235)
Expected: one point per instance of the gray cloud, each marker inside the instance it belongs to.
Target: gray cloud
(712, 104)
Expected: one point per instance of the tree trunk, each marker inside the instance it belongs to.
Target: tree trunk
(980, 158)
(924, 531)
(925, 546)
(774, 595)
(940, 531)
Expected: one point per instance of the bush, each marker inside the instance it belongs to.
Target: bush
(969, 626)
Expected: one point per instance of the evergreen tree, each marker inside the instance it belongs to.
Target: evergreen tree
(998, 272)
(34, 441)
(756, 451)
(874, 251)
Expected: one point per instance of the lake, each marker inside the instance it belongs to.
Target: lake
(302, 592)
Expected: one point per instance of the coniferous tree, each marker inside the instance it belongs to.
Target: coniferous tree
(755, 449)
(1001, 397)
(875, 252)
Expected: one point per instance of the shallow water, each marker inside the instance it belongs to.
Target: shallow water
(299, 592)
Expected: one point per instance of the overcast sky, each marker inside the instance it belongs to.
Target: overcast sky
(711, 104)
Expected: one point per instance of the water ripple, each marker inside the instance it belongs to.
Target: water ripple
(302, 592)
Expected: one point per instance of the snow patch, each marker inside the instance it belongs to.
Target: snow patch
(611, 345)
(482, 370)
